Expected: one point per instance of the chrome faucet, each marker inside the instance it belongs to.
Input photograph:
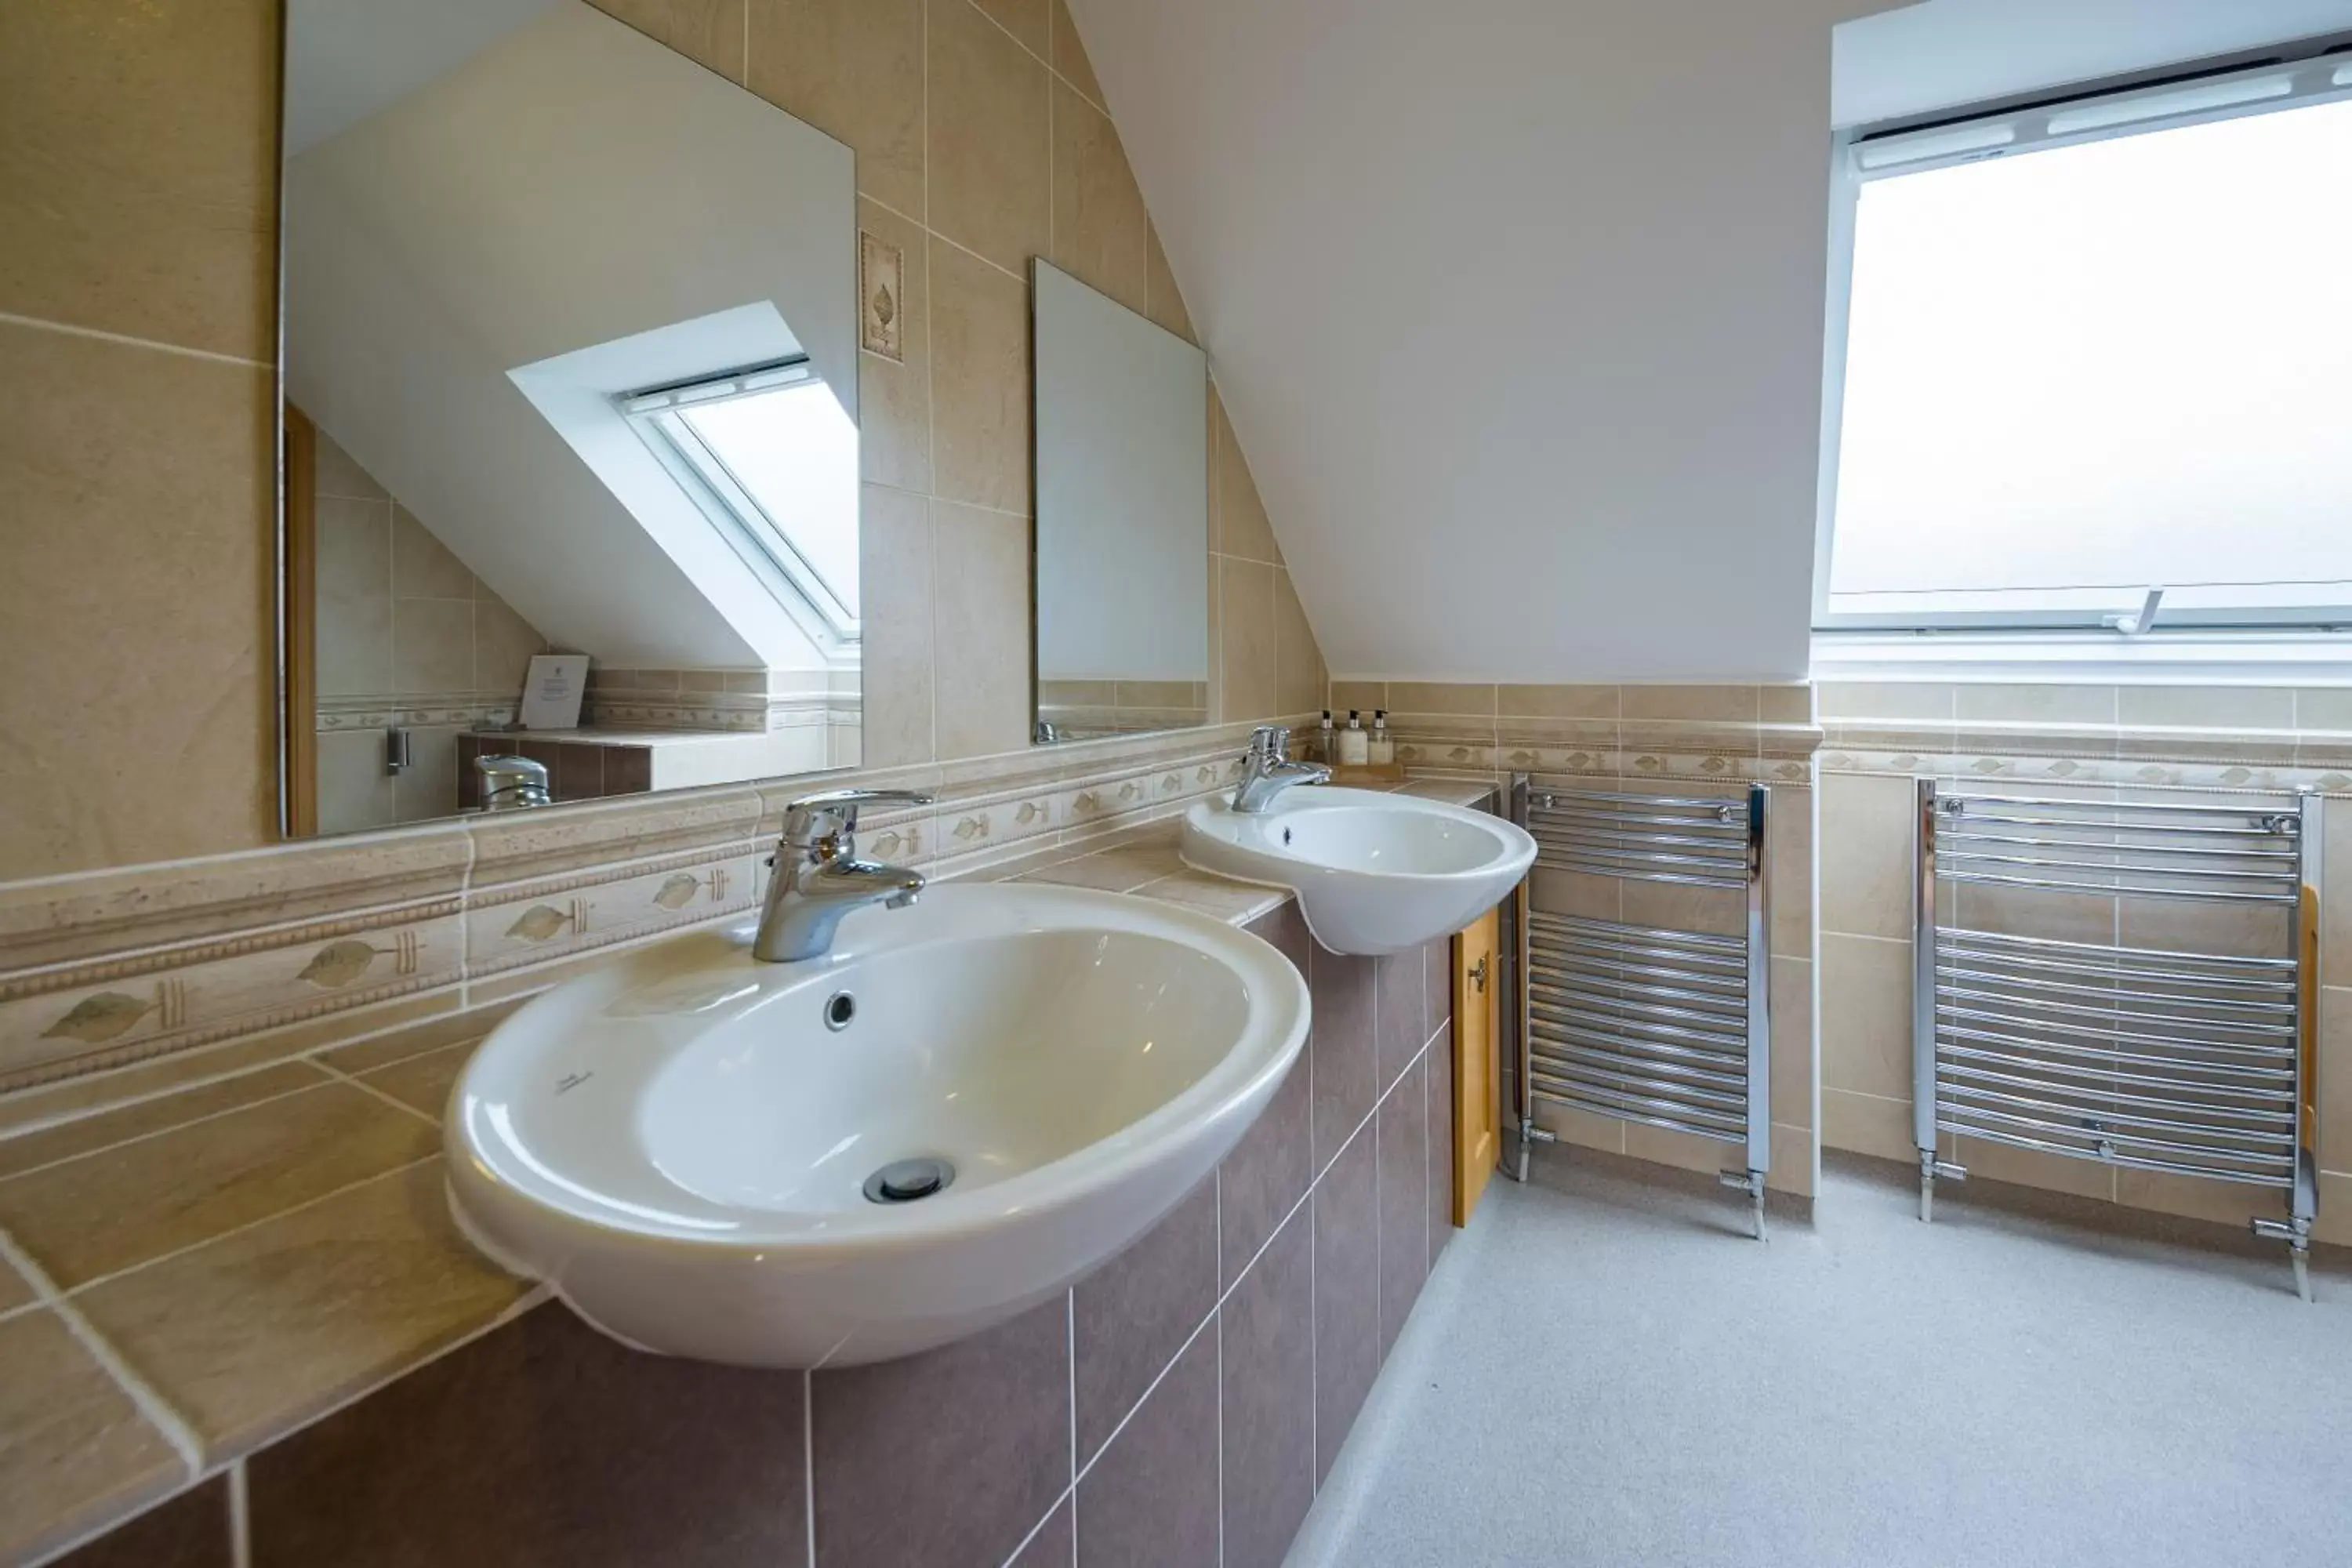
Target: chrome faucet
(1266, 772)
(818, 878)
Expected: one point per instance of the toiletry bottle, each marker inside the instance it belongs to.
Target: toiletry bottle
(1323, 752)
(1382, 748)
(1354, 747)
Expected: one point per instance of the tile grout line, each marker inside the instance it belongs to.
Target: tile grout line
(146, 1263)
(240, 1517)
(125, 340)
(1142, 1399)
(808, 1451)
(1217, 1315)
(327, 1078)
(1070, 1496)
(373, 1093)
(168, 1423)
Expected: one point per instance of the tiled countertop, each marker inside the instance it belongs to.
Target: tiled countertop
(187, 1277)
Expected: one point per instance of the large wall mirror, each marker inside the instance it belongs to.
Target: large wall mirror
(1123, 596)
(570, 370)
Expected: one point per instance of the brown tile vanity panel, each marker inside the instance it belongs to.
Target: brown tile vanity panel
(1131, 1316)
(983, 1425)
(77, 1453)
(1400, 1011)
(257, 1331)
(1267, 1174)
(628, 769)
(580, 770)
(1346, 1066)
(1347, 1293)
(1403, 1200)
(107, 1211)
(1051, 1545)
(1150, 1500)
(543, 1443)
(1441, 1142)
(1267, 1339)
(191, 1531)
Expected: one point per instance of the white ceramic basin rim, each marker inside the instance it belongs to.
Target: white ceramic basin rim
(680, 1141)
(1375, 873)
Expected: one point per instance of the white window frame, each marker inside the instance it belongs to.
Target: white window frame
(764, 545)
(2294, 76)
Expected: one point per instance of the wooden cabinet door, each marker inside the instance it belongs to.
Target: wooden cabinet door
(1477, 1111)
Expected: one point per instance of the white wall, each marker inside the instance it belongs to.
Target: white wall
(573, 184)
(1122, 491)
(1518, 307)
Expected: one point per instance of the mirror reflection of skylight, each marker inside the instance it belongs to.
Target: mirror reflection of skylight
(794, 452)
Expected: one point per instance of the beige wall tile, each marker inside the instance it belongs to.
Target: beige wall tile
(1866, 1015)
(358, 1287)
(152, 219)
(987, 138)
(1886, 700)
(80, 1453)
(1243, 527)
(105, 1212)
(421, 566)
(1866, 1124)
(894, 398)
(339, 474)
(1069, 55)
(2324, 708)
(1788, 852)
(1101, 234)
(707, 32)
(432, 646)
(1365, 696)
(1582, 1128)
(1300, 678)
(353, 650)
(1784, 704)
(503, 646)
(1719, 911)
(2336, 908)
(2032, 1168)
(2173, 925)
(980, 378)
(1792, 1042)
(354, 548)
(2205, 707)
(1867, 855)
(427, 787)
(1441, 697)
(896, 572)
(139, 496)
(2223, 1203)
(1024, 19)
(1558, 701)
(1575, 894)
(981, 631)
(2061, 917)
(1246, 614)
(2044, 704)
(852, 69)
(1163, 301)
(1710, 704)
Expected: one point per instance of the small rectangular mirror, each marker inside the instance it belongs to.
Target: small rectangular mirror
(571, 367)
(1122, 412)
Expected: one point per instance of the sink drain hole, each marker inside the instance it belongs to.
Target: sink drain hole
(839, 1008)
(904, 1181)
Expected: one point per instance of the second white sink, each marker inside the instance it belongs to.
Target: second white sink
(1374, 873)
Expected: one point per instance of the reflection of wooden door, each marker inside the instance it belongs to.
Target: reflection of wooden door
(299, 722)
(1477, 1111)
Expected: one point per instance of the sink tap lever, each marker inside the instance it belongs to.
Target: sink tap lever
(1267, 770)
(818, 877)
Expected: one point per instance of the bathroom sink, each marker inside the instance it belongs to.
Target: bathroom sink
(957, 1113)
(1374, 873)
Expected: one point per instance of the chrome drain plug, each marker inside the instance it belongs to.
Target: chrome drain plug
(904, 1181)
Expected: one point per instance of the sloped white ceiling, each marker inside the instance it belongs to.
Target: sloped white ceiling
(1518, 307)
(1517, 303)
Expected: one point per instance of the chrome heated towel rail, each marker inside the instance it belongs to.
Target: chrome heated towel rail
(1651, 1024)
(2189, 1063)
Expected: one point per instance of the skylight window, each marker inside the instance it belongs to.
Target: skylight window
(770, 453)
(2095, 368)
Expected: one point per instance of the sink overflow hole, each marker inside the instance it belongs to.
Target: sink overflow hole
(839, 1008)
(904, 1181)
(1286, 835)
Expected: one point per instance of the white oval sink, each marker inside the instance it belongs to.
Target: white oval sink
(681, 1142)
(1374, 873)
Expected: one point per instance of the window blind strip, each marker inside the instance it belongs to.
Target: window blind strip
(2269, 88)
(740, 384)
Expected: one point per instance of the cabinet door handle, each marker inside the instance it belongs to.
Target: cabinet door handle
(1478, 974)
